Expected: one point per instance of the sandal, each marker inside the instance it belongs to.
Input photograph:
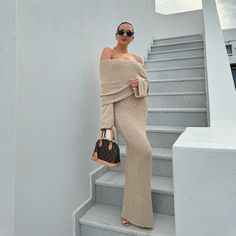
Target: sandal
(125, 222)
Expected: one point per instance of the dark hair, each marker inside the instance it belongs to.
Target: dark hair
(124, 23)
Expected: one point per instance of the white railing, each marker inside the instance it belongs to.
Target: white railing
(220, 86)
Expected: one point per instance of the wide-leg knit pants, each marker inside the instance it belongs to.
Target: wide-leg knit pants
(130, 118)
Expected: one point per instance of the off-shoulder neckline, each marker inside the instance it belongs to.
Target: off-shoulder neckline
(119, 59)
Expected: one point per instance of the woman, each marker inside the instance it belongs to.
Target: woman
(130, 117)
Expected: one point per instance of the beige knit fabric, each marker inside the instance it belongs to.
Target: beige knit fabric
(115, 77)
(130, 121)
(129, 117)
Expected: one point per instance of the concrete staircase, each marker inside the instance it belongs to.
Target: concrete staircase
(177, 99)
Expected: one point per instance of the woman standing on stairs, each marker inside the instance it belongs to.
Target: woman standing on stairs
(128, 116)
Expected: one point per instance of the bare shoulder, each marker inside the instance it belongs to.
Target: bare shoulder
(106, 53)
(138, 58)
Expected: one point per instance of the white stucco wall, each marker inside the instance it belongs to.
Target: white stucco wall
(7, 115)
(59, 45)
(204, 170)
(191, 22)
(221, 90)
(204, 163)
(51, 123)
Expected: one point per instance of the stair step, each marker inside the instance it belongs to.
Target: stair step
(177, 61)
(179, 38)
(176, 93)
(172, 59)
(177, 85)
(177, 109)
(176, 72)
(175, 50)
(162, 153)
(175, 68)
(165, 128)
(161, 163)
(105, 220)
(159, 136)
(177, 45)
(194, 117)
(157, 153)
(160, 184)
(174, 53)
(177, 79)
(110, 186)
(177, 99)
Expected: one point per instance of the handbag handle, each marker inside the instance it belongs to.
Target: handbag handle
(104, 130)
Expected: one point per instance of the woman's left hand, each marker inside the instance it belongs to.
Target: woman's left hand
(134, 82)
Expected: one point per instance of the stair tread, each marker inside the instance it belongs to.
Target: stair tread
(108, 217)
(178, 37)
(177, 79)
(165, 153)
(160, 184)
(165, 128)
(157, 152)
(176, 50)
(175, 68)
(179, 109)
(173, 58)
(176, 43)
(177, 93)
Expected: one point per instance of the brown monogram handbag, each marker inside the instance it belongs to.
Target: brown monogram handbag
(107, 151)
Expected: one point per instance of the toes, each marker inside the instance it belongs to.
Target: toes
(124, 221)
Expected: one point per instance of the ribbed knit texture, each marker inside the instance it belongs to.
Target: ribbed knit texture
(115, 75)
(130, 121)
(126, 109)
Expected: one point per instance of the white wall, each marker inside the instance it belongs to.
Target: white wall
(204, 163)
(221, 91)
(7, 115)
(52, 119)
(59, 46)
(204, 170)
(57, 102)
(169, 25)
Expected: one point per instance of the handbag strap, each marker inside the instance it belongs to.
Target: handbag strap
(103, 133)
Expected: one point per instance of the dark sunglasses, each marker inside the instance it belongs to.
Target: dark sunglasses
(128, 32)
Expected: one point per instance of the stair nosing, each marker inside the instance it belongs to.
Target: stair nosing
(172, 59)
(165, 128)
(154, 178)
(176, 93)
(132, 230)
(177, 109)
(175, 68)
(177, 79)
(176, 50)
(176, 43)
(155, 153)
(177, 37)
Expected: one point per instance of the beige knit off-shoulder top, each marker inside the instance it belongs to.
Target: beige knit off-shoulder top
(115, 75)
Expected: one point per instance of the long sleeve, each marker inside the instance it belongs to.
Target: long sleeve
(143, 87)
(115, 85)
(107, 116)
